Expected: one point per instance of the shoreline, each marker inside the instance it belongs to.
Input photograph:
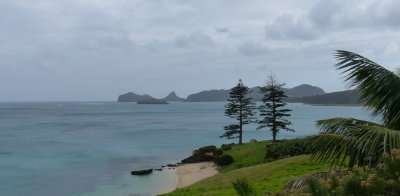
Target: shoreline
(191, 173)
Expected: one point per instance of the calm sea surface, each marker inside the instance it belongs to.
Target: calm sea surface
(65, 149)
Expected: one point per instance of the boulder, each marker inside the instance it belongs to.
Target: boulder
(142, 172)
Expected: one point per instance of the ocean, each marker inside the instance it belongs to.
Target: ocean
(89, 148)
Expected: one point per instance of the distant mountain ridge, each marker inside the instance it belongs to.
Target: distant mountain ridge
(223, 95)
(341, 97)
(304, 93)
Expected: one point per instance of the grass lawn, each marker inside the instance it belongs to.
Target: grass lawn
(246, 154)
(265, 175)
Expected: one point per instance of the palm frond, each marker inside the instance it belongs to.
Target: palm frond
(378, 87)
(353, 141)
(244, 188)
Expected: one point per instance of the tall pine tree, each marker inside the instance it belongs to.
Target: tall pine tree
(241, 108)
(272, 110)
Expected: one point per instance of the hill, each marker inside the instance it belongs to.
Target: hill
(210, 95)
(223, 95)
(304, 90)
(173, 97)
(342, 97)
(250, 163)
(132, 97)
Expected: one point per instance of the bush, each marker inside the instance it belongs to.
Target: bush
(286, 148)
(220, 151)
(206, 149)
(226, 147)
(383, 180)
(224, 160)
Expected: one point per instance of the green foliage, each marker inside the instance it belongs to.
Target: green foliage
(246, 154)
(272, 109)
(314, 187)
(383, 180)
(285, 148)
(243, 188)
(240, 108)
(265, 178)
(356, 142)
(206, 149)
(226, 146)
(378, 87)
(223, 160)
(219, 151)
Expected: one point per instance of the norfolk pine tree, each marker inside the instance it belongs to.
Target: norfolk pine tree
(241, 108)
(273, 110)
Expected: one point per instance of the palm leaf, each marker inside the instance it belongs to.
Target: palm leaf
(353, 141)
(378, 87)
(244, 188)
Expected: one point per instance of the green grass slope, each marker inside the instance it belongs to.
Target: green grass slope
(265, 174)
(246, 154)
(267, 177)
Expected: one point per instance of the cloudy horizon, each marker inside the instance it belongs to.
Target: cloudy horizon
(95, 50)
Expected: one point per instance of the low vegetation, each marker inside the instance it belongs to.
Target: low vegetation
(265, 178)
(265, 174)
(286, 148)
(383, 180)
(245, 155)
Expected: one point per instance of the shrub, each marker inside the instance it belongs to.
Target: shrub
(223, 160)
(226, 147)
(383, 180)
(206, 149)
(286, 148)
(219, 151)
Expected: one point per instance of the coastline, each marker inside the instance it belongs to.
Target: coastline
(190, 173)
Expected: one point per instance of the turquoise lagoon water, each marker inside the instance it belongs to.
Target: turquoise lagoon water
(66, 149)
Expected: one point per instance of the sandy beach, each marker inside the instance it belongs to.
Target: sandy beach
(188, 174)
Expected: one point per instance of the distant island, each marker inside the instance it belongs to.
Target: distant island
(341, 97)
(173, 97)
(304, 93)
(132, 97)
(152, 101)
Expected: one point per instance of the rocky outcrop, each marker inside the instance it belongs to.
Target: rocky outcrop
(142, 172)
(152, 101)
(173, 97)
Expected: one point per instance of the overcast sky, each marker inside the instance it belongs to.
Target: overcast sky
(76, 50)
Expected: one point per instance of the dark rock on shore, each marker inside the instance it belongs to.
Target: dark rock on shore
(142, 172)
(173, 165)
(152, 101)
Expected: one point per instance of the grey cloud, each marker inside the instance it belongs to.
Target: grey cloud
(250, 49)
(287, 27)
(97, 49)
(193, 40)
(221, 30)
(327, 17)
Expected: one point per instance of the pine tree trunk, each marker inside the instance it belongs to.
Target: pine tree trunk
(240, 131)
(273, 136)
